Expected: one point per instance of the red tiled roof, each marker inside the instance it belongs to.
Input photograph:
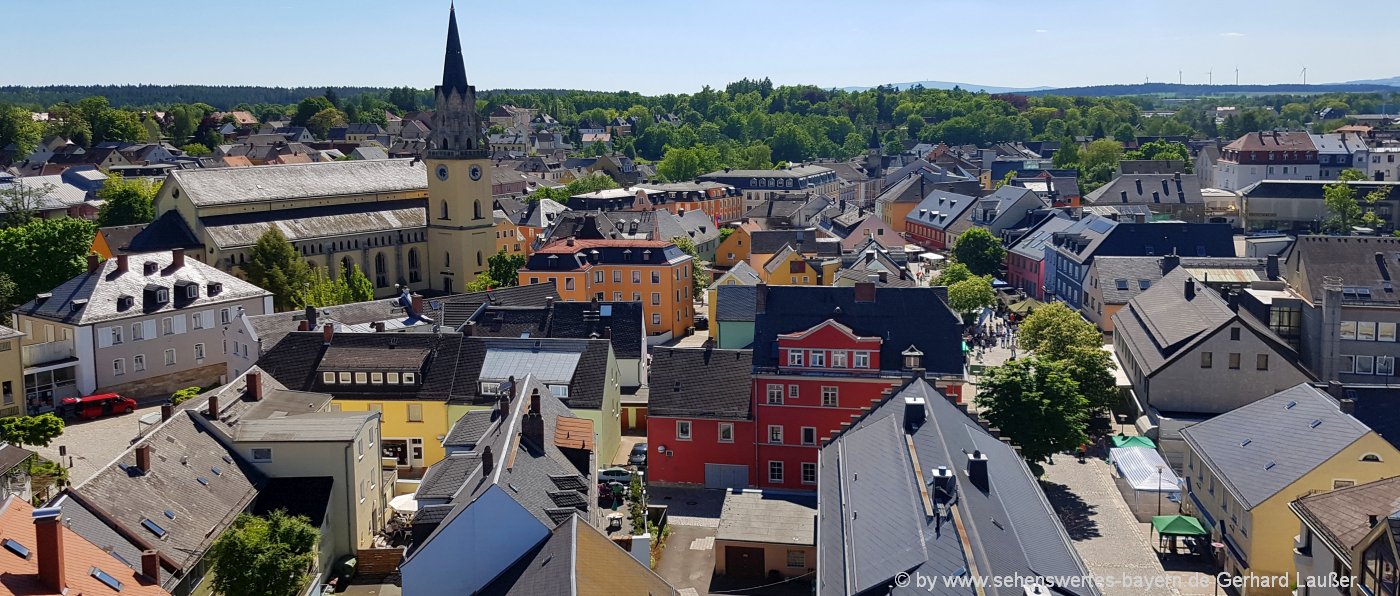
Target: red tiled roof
(21, 576)
(573, 433)
(562, 247)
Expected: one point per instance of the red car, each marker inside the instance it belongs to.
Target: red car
(96, 406)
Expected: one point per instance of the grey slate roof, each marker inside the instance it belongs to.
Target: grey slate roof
(227, 186)
(244, 229)
(569, 320)
(317, 427)
(460, 308)
(772, 518)
(470, 428)
(767, 242)
(1148, 189)
(735, 303)
(940, 209)
(872, 523)
(1032, 244)
(1372, 263)
(1283, 443)
(700, 382)
(272, 327)
(1138, 269)
(102, 289)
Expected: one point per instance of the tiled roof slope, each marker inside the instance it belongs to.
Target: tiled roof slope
(700, 382)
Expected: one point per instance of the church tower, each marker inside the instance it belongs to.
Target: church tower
(460, 235)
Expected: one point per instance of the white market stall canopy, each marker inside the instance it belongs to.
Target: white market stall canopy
(1141, 467)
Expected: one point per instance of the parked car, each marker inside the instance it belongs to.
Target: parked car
(96, 406)
(622, 475)
(702, 322)
(638, 457)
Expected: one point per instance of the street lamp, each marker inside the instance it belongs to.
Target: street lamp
(1160, 469)
(1122, 423)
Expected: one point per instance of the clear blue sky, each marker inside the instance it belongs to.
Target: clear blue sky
(658, 46)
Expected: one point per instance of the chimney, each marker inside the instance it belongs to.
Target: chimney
(327, 332)
(121, 264)
(1170, 262)
(311, 314)
(143, 458)
(1348, 406)
(94, 262)
(1336, 390)
(1190, 289)
(468, 328)
(48, 530)
(607, 332)
(150, 565)
(532, 424)
(488, 460)
(549, 302)
(1139, 218)
(915, 412)
(417, 302)
(177, 258)
(379, 326)
(569, 241)
(166, 412)
(1271, 267)
(253, 381)
(213, 407)
(944, 483)
(865, 291)
(1232, 300)
(1372, 519)
(977, 469)
(760, 298)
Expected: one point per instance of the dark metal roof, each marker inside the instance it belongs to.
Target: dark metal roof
(296, 495)
(700, 382)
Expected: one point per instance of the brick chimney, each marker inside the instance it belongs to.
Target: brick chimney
(166, 411)
(417, 302)
(94, 262)
(213, 411)
(303, 325)
(150, 565)
(532, 423)
(143, 458)
(327, 332)
(253, 380)
(488, 461)
(1190, 291)
(379, 326)
(177, 258)
(48, 528)
(121, 264)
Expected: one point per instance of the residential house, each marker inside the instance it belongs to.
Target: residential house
(1113, 281)
(1009, 208)
(1190, 354)
(824, 354)
(1267, 155)
(700, 417)
(12, 401)
(788, 210)
(1074, 249)
(1384, 163)
(873, 263)
(531, 221)
(359, 132)
(769, 249)
(790, 266)
(1027, 259)
(737, 247)
(765, 534)
(1349, 308)
(1059, 188)
(904, 197)
(1299, 206)
(721, 202)
(367, 152)
(757, 185)
(732, 312)
(1244, 468)
(72, 193)
(45, 556)
(1338, 152)
(509, 116)
(585, 269)
(916, 487)
(1345, 534)
(871, 228)
(140, 325)
(930, 223)
(249, 337)
(619, 322)
(1173, 196)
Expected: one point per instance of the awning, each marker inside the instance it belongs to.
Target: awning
(404, 503)
(1144, 469)
(1178, 525)
(1133, 441)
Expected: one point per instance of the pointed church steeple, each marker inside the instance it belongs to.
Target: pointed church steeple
(454, 69)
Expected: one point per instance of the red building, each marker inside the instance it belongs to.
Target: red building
(1025, 259)
(699, 422)
(928, 223)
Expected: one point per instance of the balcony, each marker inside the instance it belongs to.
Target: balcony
(48, 353)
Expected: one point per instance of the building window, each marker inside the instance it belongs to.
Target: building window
(809, 435)
(1234, 361)
(861, 360)
(818, 359)
(656, 298)
(1365, 365)
(829, 397)
(795, 357)
(345, 378)
(1261, 362)
(198, 352)
(1366, 331)
(636, 277)
(117, 334)
(1207, 359)
(775, 471)
(809, 476)
(726, 432)
(167, 326)
(261, 455)
(1234, 334)
(617, 276)
(1385, 365)
(361, 378)
(169, 357)
(197, 320)
(415, 412)
(224, 316)
(1348, 364)
(683, 430)
(409, 378)
(792, 391)
(391, 378)
(1348, 329)
(1385, 332)
(376, 378)
(138, 363)
(119, 366)
(838, 359)
(775, 434)
(656, 318)
(656, 277)
(598, 276)
(775, 394)
(414, 273)
(328, 378)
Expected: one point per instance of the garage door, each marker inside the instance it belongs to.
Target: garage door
(726, 476)
(742, 563)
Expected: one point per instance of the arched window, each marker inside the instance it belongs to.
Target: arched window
(381, 271)
(346, 265)
(476, 210)
(445, 214)
(1371, 457)
(478, 258)
(413, 273)
(447, 259)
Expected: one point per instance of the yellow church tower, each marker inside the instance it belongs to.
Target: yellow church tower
(460, 235)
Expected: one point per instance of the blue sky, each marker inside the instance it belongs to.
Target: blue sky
(677, 46)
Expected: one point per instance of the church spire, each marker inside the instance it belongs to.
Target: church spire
(454, 71)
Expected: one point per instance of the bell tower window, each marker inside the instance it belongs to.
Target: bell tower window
(445, 213)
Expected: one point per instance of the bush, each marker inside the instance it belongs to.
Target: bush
(184, 395)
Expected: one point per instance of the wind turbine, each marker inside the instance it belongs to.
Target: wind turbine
(1210, 77)
(1305, 75)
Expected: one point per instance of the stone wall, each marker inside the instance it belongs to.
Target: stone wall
(161, 387)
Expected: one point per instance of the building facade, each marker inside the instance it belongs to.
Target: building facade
(653, 272)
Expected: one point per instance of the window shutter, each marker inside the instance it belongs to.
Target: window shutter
(148, 330)
(179, 324)
(208, 317)
(104, 337)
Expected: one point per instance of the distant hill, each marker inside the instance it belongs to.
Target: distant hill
(222, 97)
(1392, 81)
(950, 85)
(1200, 90)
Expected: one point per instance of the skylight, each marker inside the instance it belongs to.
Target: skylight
(202, 480)
(15, 547)
(216, 470)
(228, 460)
(170, 514)
(110, 581)
(153, 527)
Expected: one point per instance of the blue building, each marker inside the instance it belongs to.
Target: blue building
(1071, 251)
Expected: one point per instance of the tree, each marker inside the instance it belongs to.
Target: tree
(17, 127)
(682, 164)
(127, 201)
(309, 107)
(504, 268)
(41, 254)
(36, 431)
(117, 125)
(1005, 180)
(274, 265)
(195, 150)
(1056, 333)
(1162, 150)
(1124, 133)
(952, 273)
(264, 556)
(361, 289)
(755, 157)
(971, 295)
(323, 121)
(697, 281)
(22, 200)
(1343, 208)
(322, 291)
(980, 250)
(1037, 405)
(1351, 175)
(183, 395)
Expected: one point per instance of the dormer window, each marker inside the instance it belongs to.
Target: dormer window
(409, 378)
(391, 378)
(191, 291)
(214, 288)
(150, 268)
(124, 302)
(162, 296)
(913, 358)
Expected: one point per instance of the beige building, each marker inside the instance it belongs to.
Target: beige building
(11, 373)
(142, 325)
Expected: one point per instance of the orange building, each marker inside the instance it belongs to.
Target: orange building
(653, 272)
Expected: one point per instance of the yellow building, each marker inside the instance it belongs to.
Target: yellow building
(1244, 467)
(11, 373)
(792, 268)
(736, 248)
(739, 275)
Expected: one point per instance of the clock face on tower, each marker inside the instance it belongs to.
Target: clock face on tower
(442, 172)
(475, 172)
